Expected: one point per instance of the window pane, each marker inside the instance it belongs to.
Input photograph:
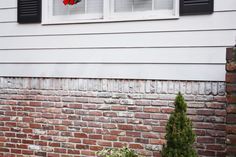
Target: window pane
(83, 7)
(142, 5)
(94, 6)
(123, 5)
(163, 4)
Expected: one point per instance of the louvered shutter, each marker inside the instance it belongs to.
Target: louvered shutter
(191, 7)
(29, 11)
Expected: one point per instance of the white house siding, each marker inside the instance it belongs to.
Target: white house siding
(188, 48)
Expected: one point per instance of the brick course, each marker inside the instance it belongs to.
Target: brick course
(77, 117)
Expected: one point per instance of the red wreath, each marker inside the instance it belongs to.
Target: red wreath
(71, 2)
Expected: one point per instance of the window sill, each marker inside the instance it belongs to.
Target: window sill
(109, 20)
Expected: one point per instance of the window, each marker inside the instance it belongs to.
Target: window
(108, 10)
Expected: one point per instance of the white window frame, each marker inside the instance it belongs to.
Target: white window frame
(108, 14)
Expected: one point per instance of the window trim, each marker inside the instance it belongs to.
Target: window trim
(108, 16)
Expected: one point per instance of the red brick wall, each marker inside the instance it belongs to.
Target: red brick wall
(231, 101)
(77, 117)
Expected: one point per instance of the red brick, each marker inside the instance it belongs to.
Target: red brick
(143, 128)
(231, 129)
(96, 148)
(22, 146)
(136, 146)
(89, 141)
(35, 104)
(82, 146)
(157, 141)
(88, 153)
(27, 152)
(4, 150)
(110, 137)
(229, 54)
(231, 109)
(150, 135)
(110, 114)
(53, 155)
(133, 134)
(151, 109)
(231, 99)
(230, 88)
(126, 139)
(117, 132)
(53, 144)
(206, 153)
(231, 118)
(28, 141)
(104, 143)
(35, 126)
(75, 106)
(95, 136)
(215, 147)
(141, 140)
(119, 108)
(230, 77)
(231, 150)
(75, 140)
(95, 113)
(109, 126)
(232, 139)
(167, 110)
(81, 135)
(77, 152)
(59, 150)
(159, 116)
(142, 115)
(16, 151)
(231, 67)
(205, 112)
(205, 140)
(125, 127)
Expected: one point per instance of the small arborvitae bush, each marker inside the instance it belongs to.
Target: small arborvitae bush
(115, 152)
(179, 134)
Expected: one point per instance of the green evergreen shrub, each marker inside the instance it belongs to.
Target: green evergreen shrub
(179, 134)
(116, 152)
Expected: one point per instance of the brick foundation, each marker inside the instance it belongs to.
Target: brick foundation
(77, 117)
(231, 101)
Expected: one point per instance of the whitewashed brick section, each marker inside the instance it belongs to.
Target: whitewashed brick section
(116, 86)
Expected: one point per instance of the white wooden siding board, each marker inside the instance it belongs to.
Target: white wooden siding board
(220, 20)
(168, 39)
(140, 55)
(129, 71)
(8, 3)
(8, 15)
(220, 5)
(224, 5)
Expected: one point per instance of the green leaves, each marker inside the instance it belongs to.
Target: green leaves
(179, 134)
(115, 152)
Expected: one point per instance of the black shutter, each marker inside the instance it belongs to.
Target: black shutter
(191, 7)
(29, 11)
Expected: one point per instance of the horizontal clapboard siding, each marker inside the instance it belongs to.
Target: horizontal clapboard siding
(216, 21)
(168, 39)
(132, 71)
(109, 56)
(189, 48)
(8, 4)
(219, 4)
(8, 15)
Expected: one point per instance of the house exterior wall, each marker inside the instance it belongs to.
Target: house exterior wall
(77, 117)
(71, 90)
(192, 45)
